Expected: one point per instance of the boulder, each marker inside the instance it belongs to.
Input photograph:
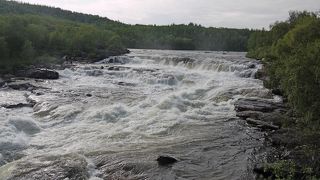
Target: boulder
(42, 74)
(166, 160)
(19, 105)
(21, 86)
(261, 105)
(252, 66)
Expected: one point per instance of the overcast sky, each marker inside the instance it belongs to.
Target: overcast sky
(216, 13)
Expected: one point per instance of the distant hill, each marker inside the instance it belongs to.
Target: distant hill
(184, 37)
(13, 7)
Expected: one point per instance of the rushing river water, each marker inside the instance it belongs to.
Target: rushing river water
(113, 122)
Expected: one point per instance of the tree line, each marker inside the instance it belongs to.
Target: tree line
(184, 37)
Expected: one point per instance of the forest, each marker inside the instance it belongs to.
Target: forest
(31, 34)
(290, 52)
(32, 39)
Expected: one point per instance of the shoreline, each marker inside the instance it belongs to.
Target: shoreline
(283, 154)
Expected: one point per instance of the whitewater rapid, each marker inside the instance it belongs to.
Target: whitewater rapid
(111, 119)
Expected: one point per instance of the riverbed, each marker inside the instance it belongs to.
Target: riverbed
(112, 119)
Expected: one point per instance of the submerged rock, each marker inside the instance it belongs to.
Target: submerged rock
(252, 66)
(28, 126)
(166, 160)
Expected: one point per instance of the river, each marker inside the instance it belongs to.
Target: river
(112, 119)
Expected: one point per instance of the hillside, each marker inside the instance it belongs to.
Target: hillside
(184, 37)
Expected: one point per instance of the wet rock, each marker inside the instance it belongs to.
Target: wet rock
(39, 93)
(261, 124)
(21, 86)
(43, 74)
(95, 73)
(125, 84)
(71, 167)
(141, 70)
(19, 105)
(38, 73)
(101, 67)
(246, 73)
(275, 117)
(89, 95)
(166, 160)
(249, 114)
(184, 60)
(261, 105)
(112, 68)
(2, 83)
(261, 74)
(116, 60)
(252, 66)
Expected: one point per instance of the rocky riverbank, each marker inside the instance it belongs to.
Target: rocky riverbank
(288, 152)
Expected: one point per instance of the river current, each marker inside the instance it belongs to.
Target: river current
(112, 119)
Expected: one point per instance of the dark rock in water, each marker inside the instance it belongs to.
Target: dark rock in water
(101, 67)
(166, 160)
(2, 83)
(89, 95)
(38, 73)
(116, 60)
(125, 84)
(19, 105)
(43, 74)
(246, 74)
(114, 68)
(251, 66)
(257, 105)
(21, 86)
(39, 93)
